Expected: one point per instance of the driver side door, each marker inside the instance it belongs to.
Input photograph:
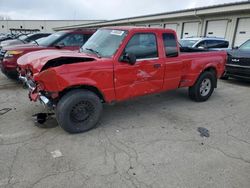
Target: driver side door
(143, 77)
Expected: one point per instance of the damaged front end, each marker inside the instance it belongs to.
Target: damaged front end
(35, 92)
(41, 72)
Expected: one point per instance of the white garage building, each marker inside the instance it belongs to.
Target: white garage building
(230, 21)
(42, 25)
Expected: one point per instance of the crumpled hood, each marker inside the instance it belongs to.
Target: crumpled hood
(36, 60)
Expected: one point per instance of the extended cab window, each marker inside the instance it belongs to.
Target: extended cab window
(72, 40)
(143, 46)
(170, 44)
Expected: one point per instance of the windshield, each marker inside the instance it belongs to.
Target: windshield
(104, 42)
(245, 46)
(38, 41)
(187, 43)
(47, 41)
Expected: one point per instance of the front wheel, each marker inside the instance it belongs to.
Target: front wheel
(78, 111)
(203, 88)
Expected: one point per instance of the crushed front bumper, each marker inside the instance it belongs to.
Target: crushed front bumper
(34, 94)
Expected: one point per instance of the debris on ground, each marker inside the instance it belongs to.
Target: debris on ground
(203, 132)
(42, 117)
(4, 111)
(56, 154)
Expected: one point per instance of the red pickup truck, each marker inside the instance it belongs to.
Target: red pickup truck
(116, 64)
(71, 40)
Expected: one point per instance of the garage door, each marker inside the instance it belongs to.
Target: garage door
(217, 28)
(155, 25)
(242, 32)
(141, 25)
(190, 29)
(171, 26)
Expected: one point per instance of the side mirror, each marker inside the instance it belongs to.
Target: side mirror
(128, 58)
(236, 47)
(60, 45)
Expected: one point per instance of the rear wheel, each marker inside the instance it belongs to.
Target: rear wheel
(204, 87)
(78, 111)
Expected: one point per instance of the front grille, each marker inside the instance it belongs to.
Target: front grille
(238, 61)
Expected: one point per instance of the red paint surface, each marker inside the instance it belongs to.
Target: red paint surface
(119, 81)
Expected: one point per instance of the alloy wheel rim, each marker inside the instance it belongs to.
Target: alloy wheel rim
(205, 87)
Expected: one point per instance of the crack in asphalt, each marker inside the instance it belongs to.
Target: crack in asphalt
(13, 163)
(132, 158)
(236, 138)
(23, 141)
(230, 156)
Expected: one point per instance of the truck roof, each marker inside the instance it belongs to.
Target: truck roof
(133, 28)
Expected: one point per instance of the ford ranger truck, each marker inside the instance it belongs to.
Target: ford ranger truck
(116, 64)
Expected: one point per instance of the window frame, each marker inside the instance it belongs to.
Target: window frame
(144, 33)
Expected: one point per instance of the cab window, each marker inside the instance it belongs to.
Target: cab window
(143, 46)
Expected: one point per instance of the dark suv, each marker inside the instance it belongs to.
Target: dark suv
(204, 43)
(238, 62)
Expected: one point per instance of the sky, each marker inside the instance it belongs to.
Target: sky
(94, 9)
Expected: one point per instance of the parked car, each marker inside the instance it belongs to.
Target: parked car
(116, 64)
(23, 39)
(238, 63)
(204, 43)
(8, 37)
(71, 40)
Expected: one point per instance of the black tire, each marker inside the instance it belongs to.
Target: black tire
(199, 94)
(78, 111)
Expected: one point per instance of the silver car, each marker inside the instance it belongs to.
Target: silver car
(204, 43)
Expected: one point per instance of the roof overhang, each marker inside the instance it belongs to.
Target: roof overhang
(221, 9)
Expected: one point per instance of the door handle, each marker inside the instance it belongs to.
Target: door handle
(157, 66)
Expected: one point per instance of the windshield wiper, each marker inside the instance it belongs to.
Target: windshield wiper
(94, 51)
(36, 42)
